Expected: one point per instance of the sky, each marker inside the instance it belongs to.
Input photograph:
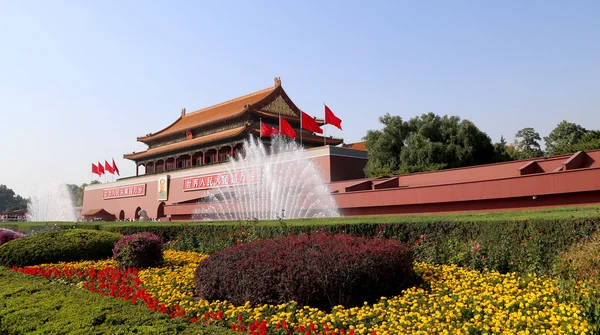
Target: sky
(80, 80)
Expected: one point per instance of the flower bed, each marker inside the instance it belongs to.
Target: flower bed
(451, 299)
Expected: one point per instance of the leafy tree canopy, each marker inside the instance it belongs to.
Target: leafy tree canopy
(9, 201)
(569, 137)
(425, 143)
(565, 135)
(527, 144)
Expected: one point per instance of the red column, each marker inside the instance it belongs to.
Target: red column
(164, 165)
(137, 170)
(204, 158)
(191, 160)
(232, 147)
(217, 156)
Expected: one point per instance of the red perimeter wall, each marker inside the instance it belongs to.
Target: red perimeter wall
(555, 181)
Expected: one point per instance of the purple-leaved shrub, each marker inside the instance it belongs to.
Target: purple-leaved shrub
(139, 250)
(318, 270)
(9, 235)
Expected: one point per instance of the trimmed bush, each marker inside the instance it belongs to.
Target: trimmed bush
(58, 246)
(140, 250)
(319, 270)
(9, 235)
(511, 241)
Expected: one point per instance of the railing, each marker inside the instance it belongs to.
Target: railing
(174, 170)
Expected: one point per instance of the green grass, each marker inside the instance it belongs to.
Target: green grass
(33, 305)
(566, 212)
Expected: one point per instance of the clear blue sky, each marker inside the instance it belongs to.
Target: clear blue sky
(79, 80)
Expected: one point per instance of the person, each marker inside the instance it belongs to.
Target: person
(162, 191)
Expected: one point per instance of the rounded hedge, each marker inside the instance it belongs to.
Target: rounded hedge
(9, 235)
(140, 250)
(318, 270)
(58, 246)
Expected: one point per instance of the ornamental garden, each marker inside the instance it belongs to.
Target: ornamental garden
(521, 272)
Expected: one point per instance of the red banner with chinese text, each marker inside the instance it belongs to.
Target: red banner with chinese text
(225, 179)
(124, 192)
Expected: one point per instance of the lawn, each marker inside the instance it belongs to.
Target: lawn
(33, 305)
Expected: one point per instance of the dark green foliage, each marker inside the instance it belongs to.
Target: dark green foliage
(551, 230)
(9, 201)
(589, 141)
(139, 250)
(58, 246)
(565, 135)
(425, 143)
(501, 152)
(33, 305)
(527, 144)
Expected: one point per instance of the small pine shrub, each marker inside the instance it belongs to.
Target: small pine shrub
(58, 246)
(140, 250)
(9, 235)
(319, 270)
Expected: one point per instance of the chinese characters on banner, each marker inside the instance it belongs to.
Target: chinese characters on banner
(221, 180)
(125, 191)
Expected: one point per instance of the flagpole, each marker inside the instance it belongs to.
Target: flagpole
(301, 128)
(324, 126)
(260, 127)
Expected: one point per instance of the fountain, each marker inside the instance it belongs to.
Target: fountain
(282, 184)
(51, 203)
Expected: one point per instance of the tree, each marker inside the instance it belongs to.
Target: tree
(563, 138)
(527, 145)
(385, 145)
(77, 192)
(6, 197)
(589, 141)
(502, 151)
(425, 143)
(9, 201)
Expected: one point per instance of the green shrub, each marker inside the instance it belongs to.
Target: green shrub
(34, 305)
(140, 250)
(58, 246)
(521, 241)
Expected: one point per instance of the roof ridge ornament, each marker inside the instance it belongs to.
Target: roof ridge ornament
(183, 112)
(277, 81)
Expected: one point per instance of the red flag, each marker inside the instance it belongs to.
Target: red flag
(108, 168)
(309, 123)
(286, 129)
(115, 168)
(331, 119)
(100, 169)
(95, 169)
(268, 131)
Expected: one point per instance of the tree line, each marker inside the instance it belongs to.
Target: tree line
(432, 142)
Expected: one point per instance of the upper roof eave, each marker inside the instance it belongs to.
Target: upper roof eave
(234, 104)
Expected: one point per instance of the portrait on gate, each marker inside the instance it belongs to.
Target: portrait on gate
(163, 188)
